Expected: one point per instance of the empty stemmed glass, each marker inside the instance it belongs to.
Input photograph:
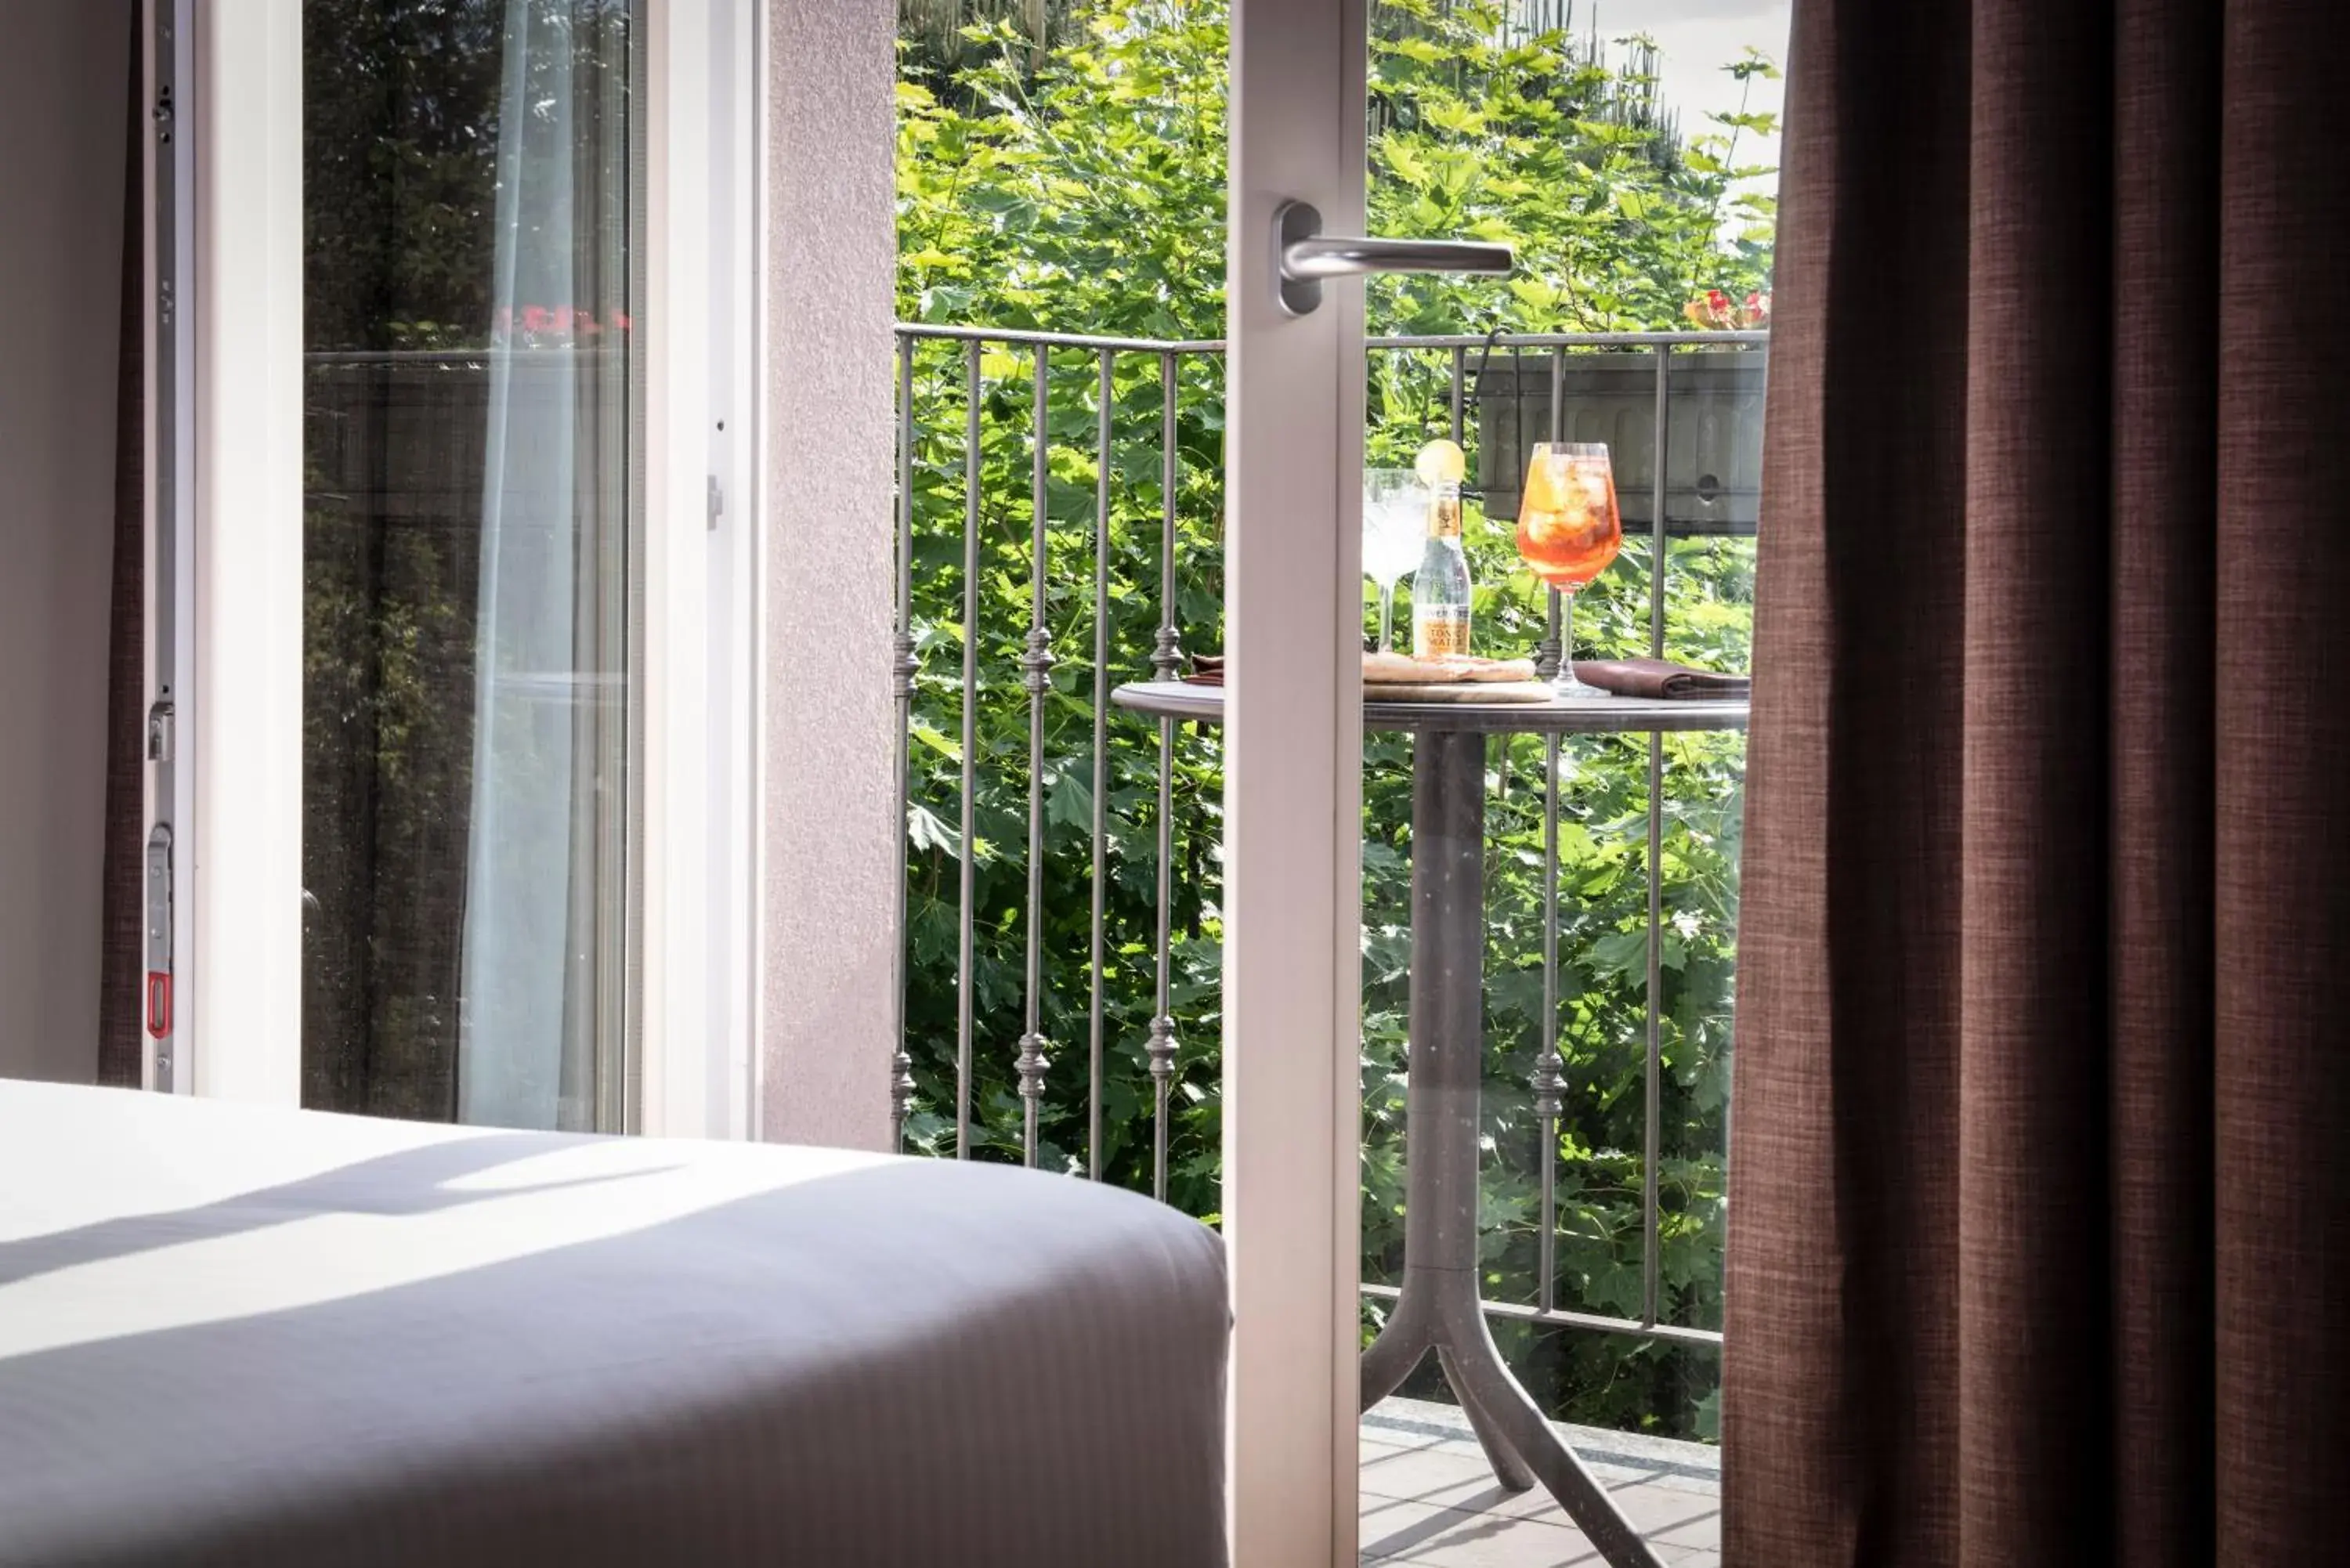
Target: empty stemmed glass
(1395, 526)
(1569, 529)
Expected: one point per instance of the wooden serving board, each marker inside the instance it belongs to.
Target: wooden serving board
(1465, 691)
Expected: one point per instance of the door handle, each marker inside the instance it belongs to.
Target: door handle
(1303, 257)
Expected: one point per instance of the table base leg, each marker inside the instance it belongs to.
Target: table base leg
(1401, 1345)
(1508, 1468)
(1439, 1311)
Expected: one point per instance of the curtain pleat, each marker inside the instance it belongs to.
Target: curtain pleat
(121, 1017)
(2041, 1151)
(2281, 934)
(2160, 751)
(2033, 1410)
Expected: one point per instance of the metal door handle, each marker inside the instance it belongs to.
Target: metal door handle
(1304, 256)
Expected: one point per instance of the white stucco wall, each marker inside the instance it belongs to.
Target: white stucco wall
(829, 897)
(62, 115)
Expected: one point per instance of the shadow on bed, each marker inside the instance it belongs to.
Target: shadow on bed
(406, 1181)
(906, 1363)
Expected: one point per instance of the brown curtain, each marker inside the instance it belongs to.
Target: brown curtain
(2040, 1250)
(123, 964)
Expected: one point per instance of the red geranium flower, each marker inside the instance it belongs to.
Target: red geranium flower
(1716, 311)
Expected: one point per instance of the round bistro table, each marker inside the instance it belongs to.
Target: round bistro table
(1438, 1307)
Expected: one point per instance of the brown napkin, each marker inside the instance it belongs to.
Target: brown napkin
(1207, 670)
(1657, 678)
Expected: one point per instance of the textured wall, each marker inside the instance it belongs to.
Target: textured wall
(62, 111)
(830, 897)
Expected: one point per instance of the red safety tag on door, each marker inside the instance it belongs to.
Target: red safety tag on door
(158, 1003)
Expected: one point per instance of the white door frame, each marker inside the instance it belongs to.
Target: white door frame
(703, 554)
(239, 876)
(242, 892)
(1293, 794)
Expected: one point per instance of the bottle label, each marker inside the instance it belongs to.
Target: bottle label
(1444, 514)
(1437, 630)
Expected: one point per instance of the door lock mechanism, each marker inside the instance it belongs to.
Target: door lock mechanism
(159, 730)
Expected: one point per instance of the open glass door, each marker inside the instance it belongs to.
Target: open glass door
(472, 621)
(1293, 719)
(473, 433)
(1537, 994)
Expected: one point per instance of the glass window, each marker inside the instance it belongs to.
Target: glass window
(472, 189)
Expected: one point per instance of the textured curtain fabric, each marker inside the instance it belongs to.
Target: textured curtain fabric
(515, 1035)
(543, 896)
(2040, 1243)
(121, 1021)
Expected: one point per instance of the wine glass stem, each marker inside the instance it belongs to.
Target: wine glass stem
(1387, 618)
(1564, 682)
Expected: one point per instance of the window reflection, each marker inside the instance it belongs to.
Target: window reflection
(471, 210)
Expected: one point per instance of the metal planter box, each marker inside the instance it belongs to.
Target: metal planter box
(1713, 436)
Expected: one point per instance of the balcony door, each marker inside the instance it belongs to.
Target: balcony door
(1293, 793)
(463, 607)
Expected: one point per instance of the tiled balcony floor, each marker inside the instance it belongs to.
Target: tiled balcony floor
(1427, 1498)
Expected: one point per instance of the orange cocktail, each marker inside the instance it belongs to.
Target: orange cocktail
(1569, 526)
(1568, 530)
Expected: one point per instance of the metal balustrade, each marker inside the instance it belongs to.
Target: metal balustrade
(1468, 360)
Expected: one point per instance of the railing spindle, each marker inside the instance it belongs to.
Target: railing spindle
(1459, 395)
(1653, 1144)
(1036, 674)
(903, 667)
(965, 990)
(1659, 496)
(1653, 1137)
(1165, 660)
(1552, 649)
(1549, 1075)
(1101, 770)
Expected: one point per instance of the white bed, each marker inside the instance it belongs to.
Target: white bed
(237, 1335)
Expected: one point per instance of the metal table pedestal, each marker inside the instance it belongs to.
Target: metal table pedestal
(1439, 1308)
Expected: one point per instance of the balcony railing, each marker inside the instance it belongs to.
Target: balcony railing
(1059, 533)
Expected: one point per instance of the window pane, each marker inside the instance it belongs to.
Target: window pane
(471, 203)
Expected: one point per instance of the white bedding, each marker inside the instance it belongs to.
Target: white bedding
(249, 1336)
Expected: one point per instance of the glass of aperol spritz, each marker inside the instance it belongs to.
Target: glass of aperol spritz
(1568, 530)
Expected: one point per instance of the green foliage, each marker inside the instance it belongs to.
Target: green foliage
(1086, 194)
(938, 36)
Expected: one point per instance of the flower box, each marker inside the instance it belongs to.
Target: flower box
(1713, 437)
